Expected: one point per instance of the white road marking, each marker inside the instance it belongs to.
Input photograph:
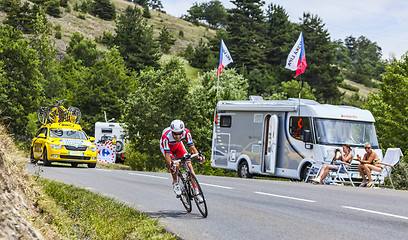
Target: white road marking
(281, 196)
(103, 170)
(145, 175)
(217, 186)
(376, 212)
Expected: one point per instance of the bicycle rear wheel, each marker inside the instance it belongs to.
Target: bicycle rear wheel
(201, 205)
(185, 196)
(74, 115)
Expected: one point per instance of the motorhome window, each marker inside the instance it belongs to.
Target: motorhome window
(339, 132)
(107, 130)
(225, 121)
(297, 125)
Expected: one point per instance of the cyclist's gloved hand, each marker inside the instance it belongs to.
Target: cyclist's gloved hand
(201, 158)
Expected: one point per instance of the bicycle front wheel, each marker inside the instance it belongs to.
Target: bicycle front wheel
(199, 198)
(55, 114)
(42, 115)
(185, 196)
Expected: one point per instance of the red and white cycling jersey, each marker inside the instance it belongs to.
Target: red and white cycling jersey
(169, 145)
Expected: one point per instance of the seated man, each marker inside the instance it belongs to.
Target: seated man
(370, 162)
(345, 156)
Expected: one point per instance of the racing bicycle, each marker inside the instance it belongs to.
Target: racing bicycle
(57, 113)
(186, 184)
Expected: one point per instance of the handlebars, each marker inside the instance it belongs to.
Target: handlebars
(186, 157)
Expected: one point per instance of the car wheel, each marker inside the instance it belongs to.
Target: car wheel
(32, 159)
(91, 165)
(45, 158)
(243, 170)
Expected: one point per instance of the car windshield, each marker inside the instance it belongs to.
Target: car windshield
(67, 133)
(339, 132)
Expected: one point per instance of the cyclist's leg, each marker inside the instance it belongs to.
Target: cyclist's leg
(168, 159)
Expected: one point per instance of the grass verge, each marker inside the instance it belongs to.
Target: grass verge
(86, 215)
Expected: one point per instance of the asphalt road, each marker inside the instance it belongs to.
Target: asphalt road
(251, 208)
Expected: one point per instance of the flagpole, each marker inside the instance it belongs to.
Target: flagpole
(300, 90)
(218, 81)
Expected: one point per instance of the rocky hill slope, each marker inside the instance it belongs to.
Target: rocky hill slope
(15, 206)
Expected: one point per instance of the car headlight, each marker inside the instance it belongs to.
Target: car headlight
(93, 149)
(54, 146)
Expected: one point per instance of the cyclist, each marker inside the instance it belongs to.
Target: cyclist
(172, 147)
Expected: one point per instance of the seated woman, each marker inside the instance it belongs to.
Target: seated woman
(346, 156)
(370, 162)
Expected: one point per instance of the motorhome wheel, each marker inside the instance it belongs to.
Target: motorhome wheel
(243, 170)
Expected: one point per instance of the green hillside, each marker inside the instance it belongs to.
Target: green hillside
(92, 27)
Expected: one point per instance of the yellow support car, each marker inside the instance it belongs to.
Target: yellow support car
(63, 142)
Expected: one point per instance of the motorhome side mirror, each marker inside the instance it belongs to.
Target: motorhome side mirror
(307, 137)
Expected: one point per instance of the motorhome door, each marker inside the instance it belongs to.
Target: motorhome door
(270, 143)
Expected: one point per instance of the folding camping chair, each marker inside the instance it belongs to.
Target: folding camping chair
(341, 174)
(390, 160)
(314, 170)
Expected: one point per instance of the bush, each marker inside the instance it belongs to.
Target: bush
(349, 87)
(137, 161)
(400, 176)
(81, 16)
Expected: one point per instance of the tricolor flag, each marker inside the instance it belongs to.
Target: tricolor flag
(296, 60)
(225, 58)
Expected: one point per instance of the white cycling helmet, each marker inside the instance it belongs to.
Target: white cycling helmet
(177, 126)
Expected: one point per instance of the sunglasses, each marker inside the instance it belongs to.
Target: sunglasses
(179, 133)
(367, 147)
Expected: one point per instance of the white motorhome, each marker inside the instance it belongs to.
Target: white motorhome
(284, 137)
(108, 131)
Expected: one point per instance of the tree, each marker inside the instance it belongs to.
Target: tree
(195, 13)
(155, 4)
(202, 57)
(280, 36)
(135, 40)
(83, 49)
(52, 7)
(232, 86)
(321, 74)
(20, 88)
(159, 97)
(22, 17)
(146, 11)
(101, 87)
(342, 55)
(166, 40)
(366, 60)
(389, 107)
(104, 9)
(246, 36)
(215, 13)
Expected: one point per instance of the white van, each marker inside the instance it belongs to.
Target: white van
(283, 138)
(108, 131)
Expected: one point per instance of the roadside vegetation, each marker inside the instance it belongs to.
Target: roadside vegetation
(61, 211)
(87, 215)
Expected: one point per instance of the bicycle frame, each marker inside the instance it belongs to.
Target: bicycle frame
(188, 193)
